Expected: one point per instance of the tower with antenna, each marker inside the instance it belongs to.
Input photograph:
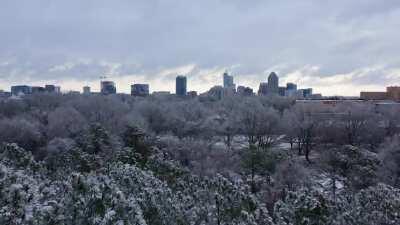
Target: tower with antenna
(107, 87)
(228, 80)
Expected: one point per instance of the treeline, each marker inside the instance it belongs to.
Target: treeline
(241, 160)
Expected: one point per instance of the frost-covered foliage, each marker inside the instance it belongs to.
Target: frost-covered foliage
(390, 157)
(374, 206)
(91, 159)
(119, 194)
(302, 207)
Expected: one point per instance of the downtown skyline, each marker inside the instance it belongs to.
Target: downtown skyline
(123, 84)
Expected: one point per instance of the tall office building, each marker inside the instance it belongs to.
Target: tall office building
(86, 90)
(307, 93)
(273, 84)
(228, 81)
(108, 87)
(181, 86)
(140, 90)
(291, 90)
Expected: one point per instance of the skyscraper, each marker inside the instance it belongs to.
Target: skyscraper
(108, 87)
(273, 84)
(228, 81)
(181, 86)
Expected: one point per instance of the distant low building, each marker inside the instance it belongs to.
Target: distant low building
(5, 94)
(38, 90)
(86, 90)
(245, 91)
(315, 96)
(393, 93)
(50, 88)
(140, 90)
(192, 94)
(370, 95)
(216, 92)
(21, 90)
(74, 93)
(161, 93)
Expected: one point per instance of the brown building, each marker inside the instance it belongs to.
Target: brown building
(393, 93)
(374, 95)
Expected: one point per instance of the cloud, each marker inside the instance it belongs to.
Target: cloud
(312, 42)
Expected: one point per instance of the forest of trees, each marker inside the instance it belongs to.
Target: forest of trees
(91, 159)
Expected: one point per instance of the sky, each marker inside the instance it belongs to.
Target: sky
(336, 47)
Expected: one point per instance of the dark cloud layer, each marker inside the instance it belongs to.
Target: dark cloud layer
(74, 39)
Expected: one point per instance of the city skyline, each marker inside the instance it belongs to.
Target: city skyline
(228, 88)
(108, 86)
(123, 84)
(338, 48)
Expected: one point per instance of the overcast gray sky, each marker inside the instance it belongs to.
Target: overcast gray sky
(336, 47)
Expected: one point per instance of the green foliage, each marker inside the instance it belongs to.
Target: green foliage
(134, 138)
(95, 140)
(258, 161)
(358, 166)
